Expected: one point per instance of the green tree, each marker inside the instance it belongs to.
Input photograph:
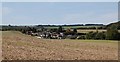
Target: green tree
(75, 30)
(100, 35)
(112, 33)
(90, 35)
(60, 29)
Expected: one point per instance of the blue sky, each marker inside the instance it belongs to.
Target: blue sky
(28, 13)
(59, 0)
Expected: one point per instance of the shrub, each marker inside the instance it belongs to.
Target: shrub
(95, 35)
(100, 35)
(90, 35)
(81, 37)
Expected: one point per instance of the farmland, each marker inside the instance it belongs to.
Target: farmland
(89, 30)
(66, 27)
(27, 47)
(82, 30)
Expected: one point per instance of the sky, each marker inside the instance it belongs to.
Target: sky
(59, 0)
(30, 13)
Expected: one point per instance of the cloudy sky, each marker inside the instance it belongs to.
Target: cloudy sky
(28, 13)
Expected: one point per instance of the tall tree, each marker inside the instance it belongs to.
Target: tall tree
(112, 33)
(75, 31)
(60, 29)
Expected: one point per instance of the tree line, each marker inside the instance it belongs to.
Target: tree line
(112, 32)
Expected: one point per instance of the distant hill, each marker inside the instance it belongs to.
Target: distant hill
(115, 24)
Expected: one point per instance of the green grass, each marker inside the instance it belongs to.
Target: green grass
(77, 40)
(96, 40)
(89, 30)
(65, 27)
(15, 33)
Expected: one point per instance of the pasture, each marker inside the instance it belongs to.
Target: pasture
(89, 30)
(66, 27)
(18, 46)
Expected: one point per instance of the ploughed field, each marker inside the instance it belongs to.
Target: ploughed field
(18, 46)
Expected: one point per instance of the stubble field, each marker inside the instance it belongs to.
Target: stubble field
(18, 46)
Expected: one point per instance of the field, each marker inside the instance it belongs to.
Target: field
(16, 45)
(66, 27)
(82, 30)
(89, 30)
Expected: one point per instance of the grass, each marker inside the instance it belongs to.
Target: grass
(89, 30)
(82, 30)
(94, 30)
(73, 27)
(31, 48)
(93, 40)
(9, 33)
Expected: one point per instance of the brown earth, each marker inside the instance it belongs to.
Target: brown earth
(18, 46)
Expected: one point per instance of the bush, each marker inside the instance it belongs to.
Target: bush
(71, 36)
(100, 36)
(81, 37)
(90, 35)
(95, 35)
